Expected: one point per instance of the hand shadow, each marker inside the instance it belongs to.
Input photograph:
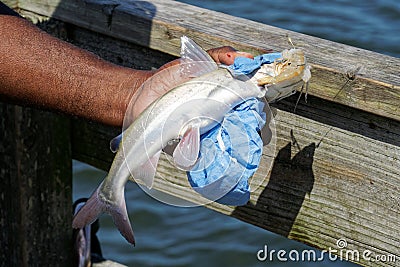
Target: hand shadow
(279, 203)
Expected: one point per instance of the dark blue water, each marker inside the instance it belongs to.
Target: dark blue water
(171, 236)
(372, 24)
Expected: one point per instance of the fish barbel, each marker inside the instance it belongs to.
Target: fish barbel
(284, 76)
(184, 113)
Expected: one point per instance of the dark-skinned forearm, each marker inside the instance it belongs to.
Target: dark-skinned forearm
(40, 70)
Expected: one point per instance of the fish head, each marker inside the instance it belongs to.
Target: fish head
(284, 76)
(289, 68)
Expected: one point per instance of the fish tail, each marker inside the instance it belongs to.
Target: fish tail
(98, 204)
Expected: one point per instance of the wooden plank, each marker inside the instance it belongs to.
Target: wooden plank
(107, 263)
(324, 187)
(335, 172)
(375, 87)
(11, 3)
(35, 196)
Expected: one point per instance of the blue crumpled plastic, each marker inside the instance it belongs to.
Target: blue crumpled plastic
(222, 175)
(244, 65)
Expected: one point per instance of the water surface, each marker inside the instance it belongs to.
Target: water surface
(372, 25)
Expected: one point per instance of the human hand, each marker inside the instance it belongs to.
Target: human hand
(226, 54)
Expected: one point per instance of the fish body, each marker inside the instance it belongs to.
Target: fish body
(184, 113)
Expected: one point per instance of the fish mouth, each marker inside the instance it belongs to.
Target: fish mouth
(287, 69)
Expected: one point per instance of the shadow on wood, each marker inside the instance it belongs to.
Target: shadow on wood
(290, 181)
(35, 153)
(347, 148)
(35, 203)
(338, 116)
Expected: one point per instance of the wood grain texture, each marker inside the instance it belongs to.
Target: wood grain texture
(330, 178)
(348, 75)
(36, 190)
(336, 166)
(316, 194)
(11, 3)
(335, 172)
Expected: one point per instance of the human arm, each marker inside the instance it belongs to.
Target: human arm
(40, 70)
(43, 71)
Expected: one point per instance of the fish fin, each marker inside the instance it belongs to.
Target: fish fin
(187, 151)
(92, 209)
(192, 52)
(114, 143)
(147, 171)
(96, 205)
(120, 217)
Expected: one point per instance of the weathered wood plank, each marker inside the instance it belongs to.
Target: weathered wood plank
(375, 87)
(11, 3)
(323, 187)
(107, 263)
(35, 196)
(336, 169)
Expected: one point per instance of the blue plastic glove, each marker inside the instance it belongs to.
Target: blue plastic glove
(244, 65)
(223, 170)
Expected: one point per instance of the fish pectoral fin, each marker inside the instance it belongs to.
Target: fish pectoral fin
(147, 171)
(114, 143)
(193, 53)
(187, 151)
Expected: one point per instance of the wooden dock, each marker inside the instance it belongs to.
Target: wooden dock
(336, 169)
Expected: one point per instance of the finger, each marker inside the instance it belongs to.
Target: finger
(244, 54)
